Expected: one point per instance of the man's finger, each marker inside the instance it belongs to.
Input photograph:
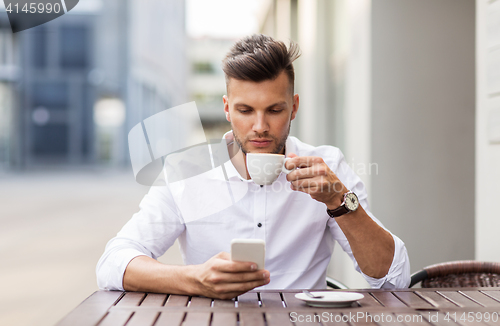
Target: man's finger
(311, 183)
(303, 162)
(244, 277)
(305, 173)
(229, 266)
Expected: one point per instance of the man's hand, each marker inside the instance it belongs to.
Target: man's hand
(371, 245)
(315, 178)
(221, 278)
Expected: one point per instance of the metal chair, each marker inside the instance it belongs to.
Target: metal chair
(462, 273)
(334, 284)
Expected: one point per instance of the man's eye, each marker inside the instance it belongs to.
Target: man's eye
(276, 111)
(244, 111)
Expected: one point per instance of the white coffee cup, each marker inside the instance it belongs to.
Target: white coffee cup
(265, 168)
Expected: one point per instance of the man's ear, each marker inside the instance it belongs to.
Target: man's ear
(295, 107)
(226, 107)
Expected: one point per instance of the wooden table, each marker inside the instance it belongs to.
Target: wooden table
(409, 307)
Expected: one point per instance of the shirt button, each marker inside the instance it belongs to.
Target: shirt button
(259, 225)
(261, 186)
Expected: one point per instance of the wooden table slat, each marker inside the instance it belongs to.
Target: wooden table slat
(463, 320)
(271, 300)
(143, 318)
(105, 308)
(224, 303)
(437, 319)
(171, 318)
(92, 309)
(306, 318)
(335, 319)
(254, 318)
(278, 319)
(493, 294)
(223, 319)
(249, 299)
(131, 299)
(412, 300)
(369, 301)
(414, 319)
(380, 319)
(154, 300)
(291, 301)
(197, 319)
(116, 318)
(200, 302)
(490, 322)
(483, 299)
(175, 300)
(388, 299)
(458, 298)
(434, 297)
(355, 321)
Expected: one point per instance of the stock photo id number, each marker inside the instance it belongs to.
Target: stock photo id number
(34, 7)
(25, 14)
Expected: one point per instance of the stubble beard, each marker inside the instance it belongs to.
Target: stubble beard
(280, 143)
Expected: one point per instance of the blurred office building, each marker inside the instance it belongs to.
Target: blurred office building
(206, 82)
(70, 89)
(8, 76)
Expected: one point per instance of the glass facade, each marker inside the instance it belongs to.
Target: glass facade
(39, 48)
(74, 47)
(57, 101)
(6, 103)
(66, 66)
(52, 95)
(8, 74)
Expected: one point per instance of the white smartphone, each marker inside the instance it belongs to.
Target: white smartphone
(253, 250)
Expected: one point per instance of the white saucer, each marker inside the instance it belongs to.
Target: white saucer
(331, 299)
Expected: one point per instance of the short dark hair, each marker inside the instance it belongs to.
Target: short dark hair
(259, 57)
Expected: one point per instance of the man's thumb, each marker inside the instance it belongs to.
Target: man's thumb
(292, 155)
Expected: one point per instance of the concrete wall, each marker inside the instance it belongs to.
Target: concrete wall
(423, 125)
(351, 105)
(488, 130)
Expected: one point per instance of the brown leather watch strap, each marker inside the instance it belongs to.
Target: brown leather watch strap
(339, 211)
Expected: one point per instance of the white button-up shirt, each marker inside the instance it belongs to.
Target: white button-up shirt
(205, 212)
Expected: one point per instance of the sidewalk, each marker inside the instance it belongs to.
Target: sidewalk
(54, 227)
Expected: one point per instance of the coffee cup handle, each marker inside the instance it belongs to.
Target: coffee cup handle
(284, 169)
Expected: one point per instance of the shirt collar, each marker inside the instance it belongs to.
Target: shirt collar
(229, 166)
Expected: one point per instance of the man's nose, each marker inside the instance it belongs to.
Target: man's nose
(260, 125)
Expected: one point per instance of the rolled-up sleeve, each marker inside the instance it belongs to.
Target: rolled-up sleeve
(150, 232)
(398, 275)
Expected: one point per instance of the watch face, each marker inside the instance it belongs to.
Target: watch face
(351, 202)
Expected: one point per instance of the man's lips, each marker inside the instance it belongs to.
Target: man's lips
(260, 142)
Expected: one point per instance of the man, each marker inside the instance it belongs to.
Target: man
(299, 221)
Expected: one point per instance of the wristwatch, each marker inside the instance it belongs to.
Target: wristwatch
(350, 204)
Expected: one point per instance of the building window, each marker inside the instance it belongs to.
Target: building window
(74, 47)
(50, 140)
(203, 68)
(51, 95)
(39, 47)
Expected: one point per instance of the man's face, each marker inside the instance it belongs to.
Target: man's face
(260, 113)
